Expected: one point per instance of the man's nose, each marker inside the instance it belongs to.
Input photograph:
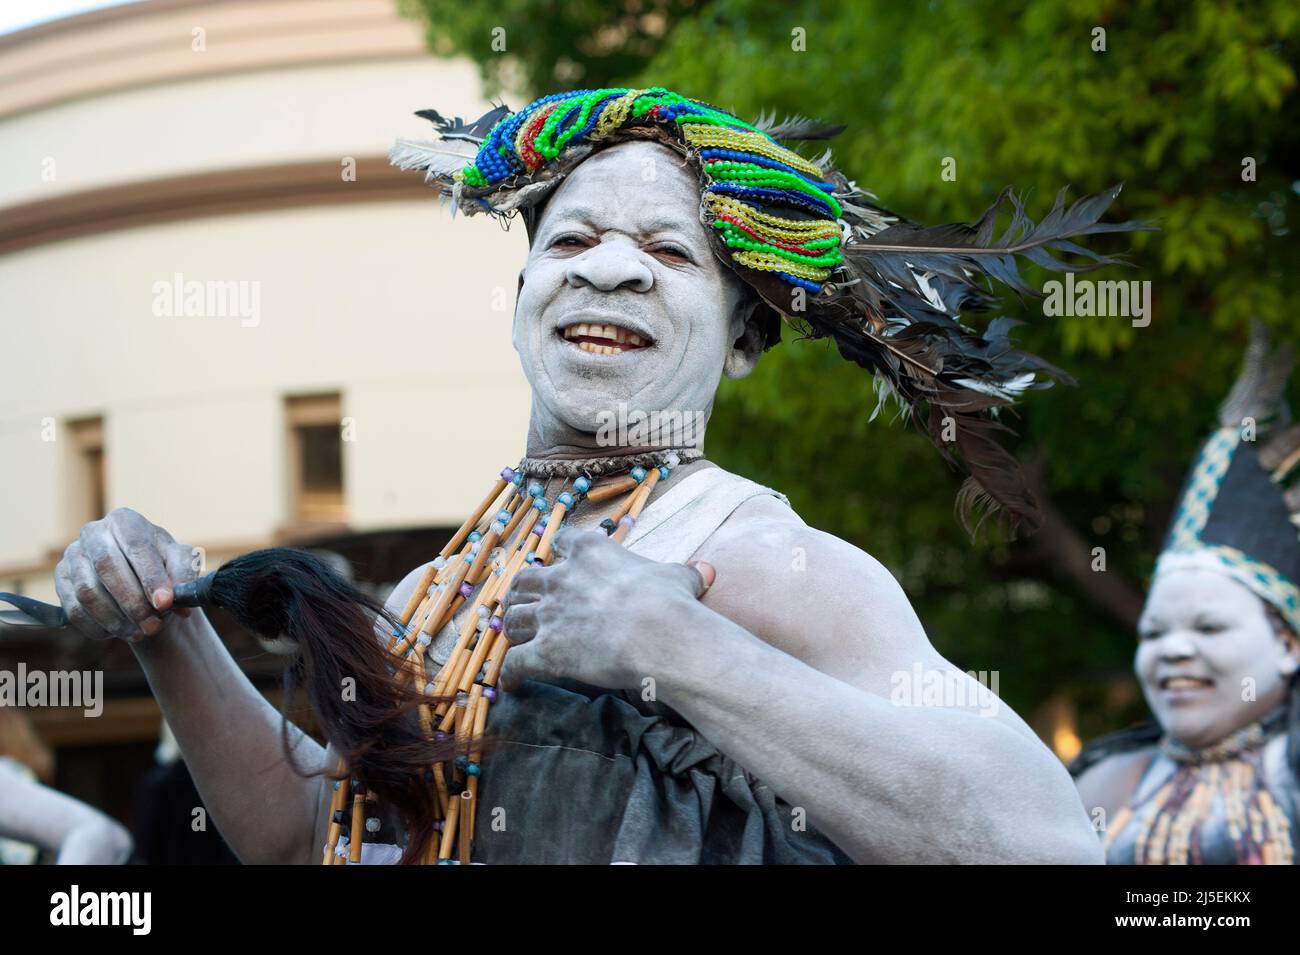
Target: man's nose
(609, 266)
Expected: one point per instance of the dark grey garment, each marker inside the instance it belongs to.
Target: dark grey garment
(580, 775)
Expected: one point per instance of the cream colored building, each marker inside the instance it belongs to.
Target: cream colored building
(220, 306)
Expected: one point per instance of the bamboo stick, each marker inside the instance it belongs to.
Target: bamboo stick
(610, 489)
(358, 826)
(459, 537)
(427, 612)
(337, 801)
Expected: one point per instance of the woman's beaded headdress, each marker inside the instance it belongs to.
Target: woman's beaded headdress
(1240, 506)
(817, 249)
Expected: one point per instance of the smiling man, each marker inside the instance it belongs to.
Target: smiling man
(700, 677)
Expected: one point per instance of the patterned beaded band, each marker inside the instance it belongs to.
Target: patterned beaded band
(1186, 547)
(745, 172)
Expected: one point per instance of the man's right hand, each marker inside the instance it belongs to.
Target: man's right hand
(117, 578)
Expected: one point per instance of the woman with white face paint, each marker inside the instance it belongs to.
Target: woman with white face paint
(1213, 778)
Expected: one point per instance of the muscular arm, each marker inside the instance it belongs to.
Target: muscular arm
(787, 666)
(80, 834)
(116, 582)
(231, 739)
(797, 687)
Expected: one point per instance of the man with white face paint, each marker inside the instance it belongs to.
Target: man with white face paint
(719, 689)
(1213, 779)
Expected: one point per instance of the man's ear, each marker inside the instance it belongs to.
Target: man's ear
(746, 338)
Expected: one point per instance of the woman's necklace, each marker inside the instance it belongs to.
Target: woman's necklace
(1231, 746)
(513, 527)
(1223, 785)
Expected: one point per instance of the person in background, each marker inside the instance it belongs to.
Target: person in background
(75, 833)
(1214, 777)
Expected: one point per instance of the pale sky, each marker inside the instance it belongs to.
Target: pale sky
(19, 14)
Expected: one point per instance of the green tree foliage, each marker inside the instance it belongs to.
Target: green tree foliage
(1183, 100)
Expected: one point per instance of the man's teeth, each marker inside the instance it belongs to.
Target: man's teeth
(620, 338)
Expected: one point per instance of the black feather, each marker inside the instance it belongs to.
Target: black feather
(964, 253)
(457, 128)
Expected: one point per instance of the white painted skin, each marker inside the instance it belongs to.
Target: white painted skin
(788, 671)
(621, 241)
(79, 834)
(1209, 659)
(1199, 624)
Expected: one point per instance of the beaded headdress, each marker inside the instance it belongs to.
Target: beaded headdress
(1240, 504)
(819, 251)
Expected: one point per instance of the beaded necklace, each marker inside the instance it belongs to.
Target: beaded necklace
(1230, 775)
(1231, 746)
(513, 526)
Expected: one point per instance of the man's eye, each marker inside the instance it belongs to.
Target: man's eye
(1210, 626)
(675, 251)
(1149, 634)
(568, 241)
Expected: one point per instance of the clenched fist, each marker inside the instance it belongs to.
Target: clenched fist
(597, 614)
(117, 578)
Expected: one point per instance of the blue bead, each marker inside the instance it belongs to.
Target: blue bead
(475, 536)
(566, 499)
(471, 769)
(638, 474)
(581, 485)
(534, 490)
(503, 516)
(663, 473)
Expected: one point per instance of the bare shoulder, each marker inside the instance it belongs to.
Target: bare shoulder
(1110, 783)
(819, 598)
(763, 529)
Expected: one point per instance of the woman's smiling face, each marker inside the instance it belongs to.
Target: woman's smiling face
(1209, 658)
(624, 300)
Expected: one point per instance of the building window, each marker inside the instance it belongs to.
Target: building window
(88, 499)
(316, 459)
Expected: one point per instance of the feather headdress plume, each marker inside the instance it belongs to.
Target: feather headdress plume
(818, 250)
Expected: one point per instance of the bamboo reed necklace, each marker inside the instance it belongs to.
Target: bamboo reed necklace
(513, 526)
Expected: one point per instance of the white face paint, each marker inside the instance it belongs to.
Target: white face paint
(625, 301)
(1202, 638)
